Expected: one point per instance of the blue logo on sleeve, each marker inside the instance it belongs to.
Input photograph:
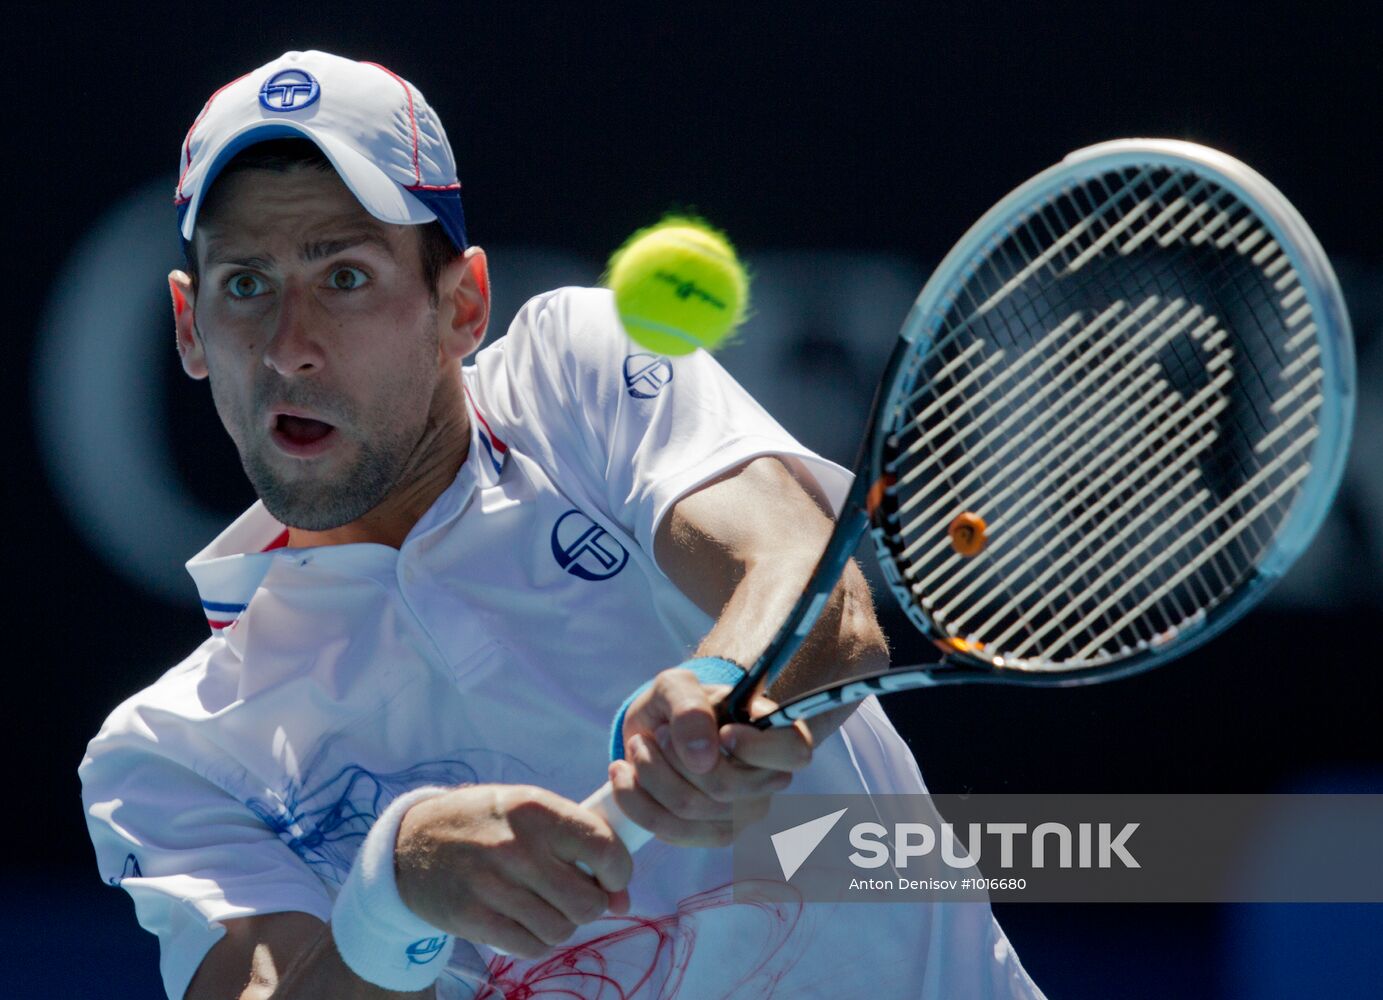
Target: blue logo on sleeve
(426, 949)
(289, 90)
(585, 549)
(646, 374)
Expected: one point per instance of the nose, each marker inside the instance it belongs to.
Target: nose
(294, 348)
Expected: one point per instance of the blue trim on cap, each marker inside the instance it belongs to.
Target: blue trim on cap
(446, 205)
(708, 670)
(253, 137)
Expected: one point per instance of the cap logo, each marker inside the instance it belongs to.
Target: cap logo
(289, 90)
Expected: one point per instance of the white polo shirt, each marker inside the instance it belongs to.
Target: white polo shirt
(494, 646)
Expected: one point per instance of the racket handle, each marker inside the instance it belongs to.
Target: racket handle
(602, 803)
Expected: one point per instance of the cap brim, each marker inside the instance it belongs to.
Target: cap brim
(376, 191)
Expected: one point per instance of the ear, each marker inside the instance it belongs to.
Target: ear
(189, 343)
(463, 310)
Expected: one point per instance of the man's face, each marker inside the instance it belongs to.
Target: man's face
(321, 341)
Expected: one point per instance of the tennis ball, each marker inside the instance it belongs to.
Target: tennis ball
(678, 286)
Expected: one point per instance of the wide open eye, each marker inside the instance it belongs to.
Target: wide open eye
(245, 285)
(347, 279)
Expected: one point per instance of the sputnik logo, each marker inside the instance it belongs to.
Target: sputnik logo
(795, 844)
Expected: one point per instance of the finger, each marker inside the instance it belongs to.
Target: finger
(786, 749)
(533, 913)
(671, 790)
(729, 780)
(498, 931)
(685, 705)
(732, 780)
(640, 807)
(762, 705)
(587, 839)
(571, 891)
(750, 811)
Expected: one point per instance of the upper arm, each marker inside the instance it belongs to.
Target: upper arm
(760, 510)
(248, 962)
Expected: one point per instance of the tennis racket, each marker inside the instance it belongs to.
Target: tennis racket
(1117, 412)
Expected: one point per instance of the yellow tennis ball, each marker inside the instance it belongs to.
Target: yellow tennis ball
(678, 286)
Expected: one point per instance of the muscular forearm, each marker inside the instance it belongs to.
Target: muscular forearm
(743, 548)
(846, 640)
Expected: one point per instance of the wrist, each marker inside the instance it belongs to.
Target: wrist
(378, 937)
(708, 670)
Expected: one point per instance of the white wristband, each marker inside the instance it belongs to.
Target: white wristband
(379, 938)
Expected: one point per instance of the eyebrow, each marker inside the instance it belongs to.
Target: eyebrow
(308, 252)
(327, 248)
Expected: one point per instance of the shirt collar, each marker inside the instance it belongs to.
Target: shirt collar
(485, 446)
(229, 570)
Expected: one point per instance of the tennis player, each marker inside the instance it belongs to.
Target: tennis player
(364, 783)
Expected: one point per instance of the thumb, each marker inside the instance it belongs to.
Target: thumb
(678, 712)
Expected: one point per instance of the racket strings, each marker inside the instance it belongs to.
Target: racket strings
(1132, 458)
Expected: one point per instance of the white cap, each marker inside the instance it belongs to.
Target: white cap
(373, 125)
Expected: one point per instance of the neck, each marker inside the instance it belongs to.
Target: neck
(431, 468)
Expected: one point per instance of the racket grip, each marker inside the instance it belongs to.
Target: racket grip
(602, 803)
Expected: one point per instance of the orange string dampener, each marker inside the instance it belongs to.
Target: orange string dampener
(967, 533)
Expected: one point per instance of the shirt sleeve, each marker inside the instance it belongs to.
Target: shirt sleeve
(189, 854)
(643, 430)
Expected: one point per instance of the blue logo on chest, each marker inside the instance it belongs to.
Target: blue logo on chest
(585, 549)
(646, 374)
(289, 90)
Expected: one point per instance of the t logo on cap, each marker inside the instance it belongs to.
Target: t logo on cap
(281, 92)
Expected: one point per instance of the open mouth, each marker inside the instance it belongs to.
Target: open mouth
(301, 436)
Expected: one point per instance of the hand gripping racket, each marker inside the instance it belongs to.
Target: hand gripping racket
(1117, 412)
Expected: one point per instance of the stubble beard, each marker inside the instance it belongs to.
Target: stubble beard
(325, 502)
(386, 437)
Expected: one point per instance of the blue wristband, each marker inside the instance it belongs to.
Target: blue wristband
(708, 670)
